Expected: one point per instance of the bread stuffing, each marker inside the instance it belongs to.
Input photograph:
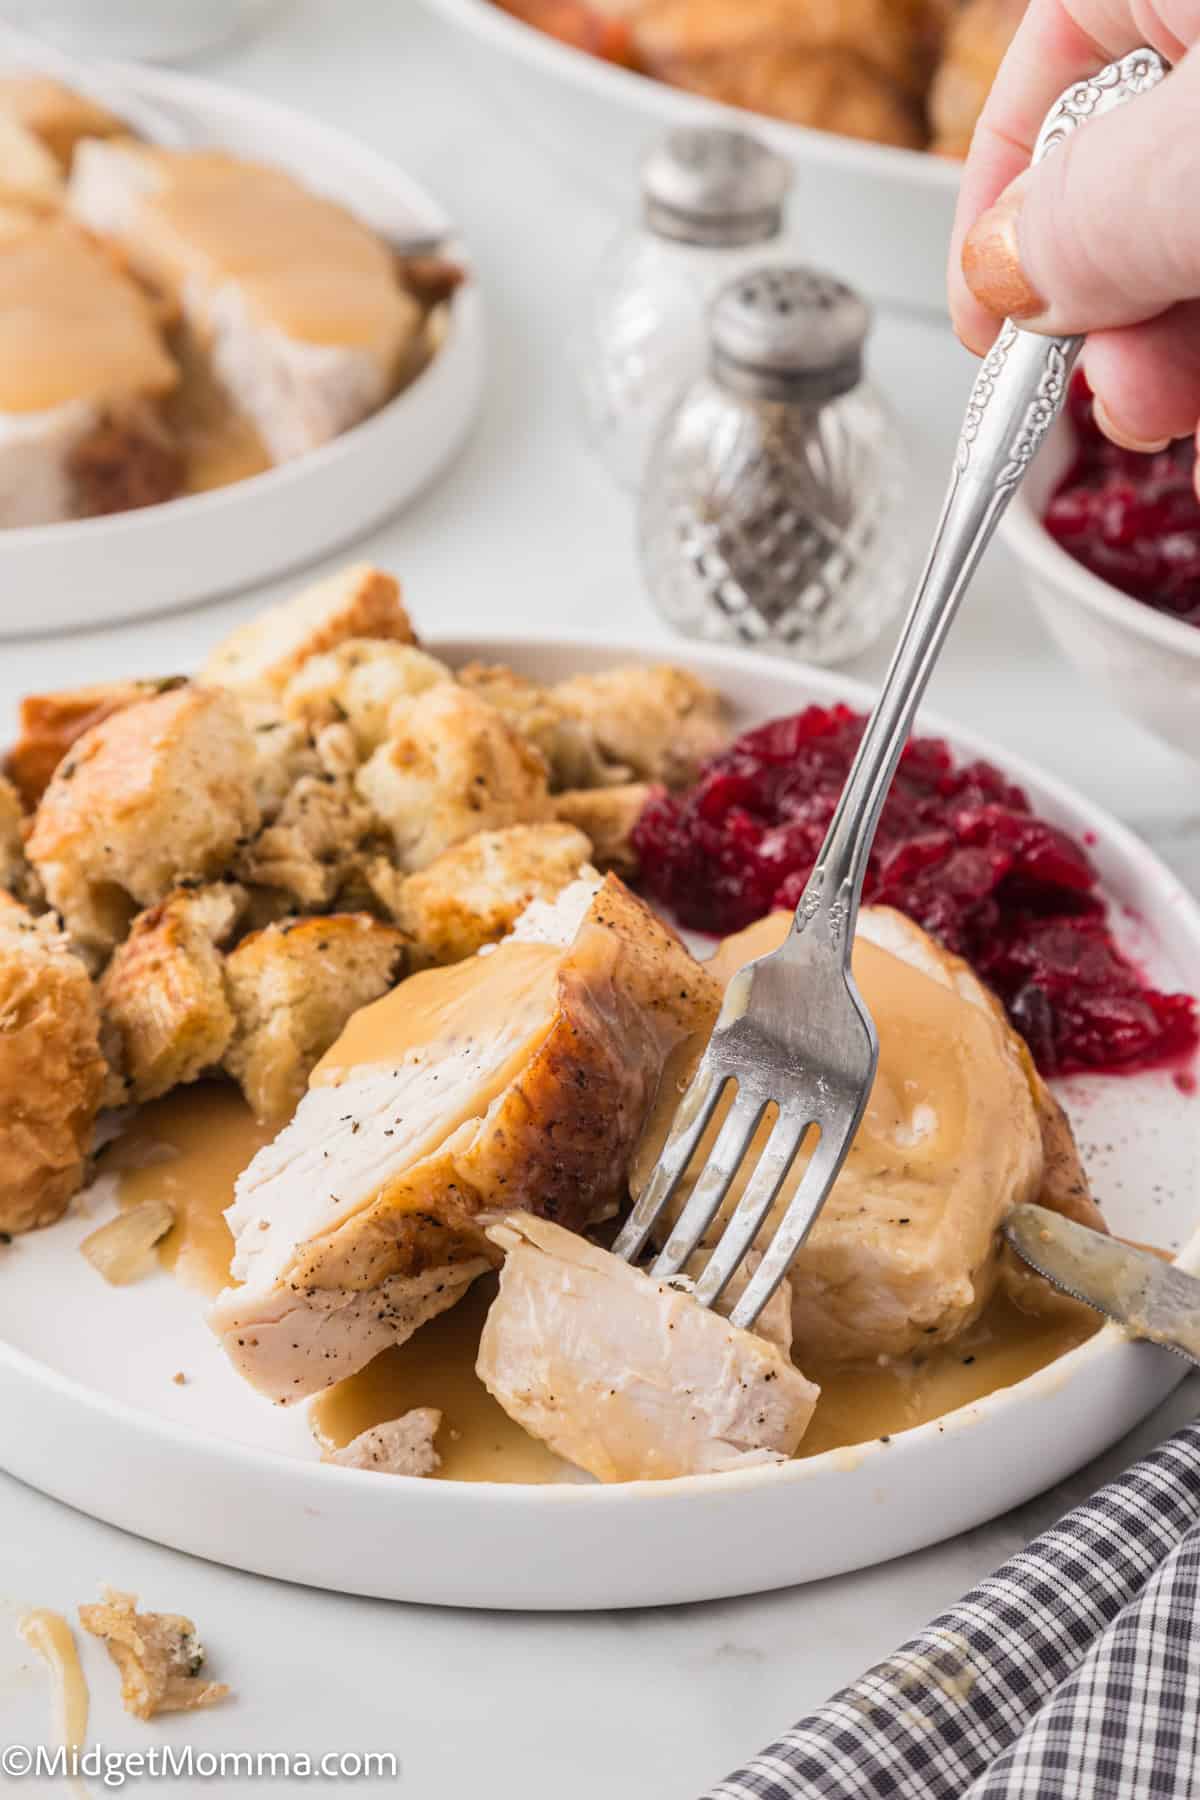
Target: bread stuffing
(159, 1656)
(159, 792)
(53, 1074)
(454, 766)
(263, 655)
(363, 683)
(164, 992)
(474, 893)
(292, 988)
(606, 816)
(657, 723)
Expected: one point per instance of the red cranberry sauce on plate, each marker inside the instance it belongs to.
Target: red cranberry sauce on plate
(1132, 519)
(958, 849)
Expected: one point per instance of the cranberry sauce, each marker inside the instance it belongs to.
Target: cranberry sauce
(1134, 520)
(958, 849)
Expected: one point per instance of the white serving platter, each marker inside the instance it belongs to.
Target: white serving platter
(877, 216)
(94, 571)
(91, 1414)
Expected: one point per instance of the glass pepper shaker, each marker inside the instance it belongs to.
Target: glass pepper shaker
(712, 207)
(770, 512)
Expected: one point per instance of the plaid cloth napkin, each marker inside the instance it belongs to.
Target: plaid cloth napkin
(1073, 1672)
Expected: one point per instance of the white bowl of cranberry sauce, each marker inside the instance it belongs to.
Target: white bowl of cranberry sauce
(1109, 543)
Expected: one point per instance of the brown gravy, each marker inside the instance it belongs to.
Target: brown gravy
(302, 262)
(51, 1636)
(221, 446)
(477, 1441)
(72, 325)
(190, 1148)
(437, 1368)
(1003, 1347)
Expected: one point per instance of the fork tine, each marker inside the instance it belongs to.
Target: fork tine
(691, 1121)
(704, 1203)
(782, 1148)
(794, 1227)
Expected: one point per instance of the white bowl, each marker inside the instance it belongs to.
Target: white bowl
(1149, 663)
(877, 216)
(91, 1415)
(93, 571)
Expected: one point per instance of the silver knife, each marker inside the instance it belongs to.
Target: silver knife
(1152, 1299)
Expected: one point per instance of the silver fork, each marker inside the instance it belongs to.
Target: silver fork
(794, 1032)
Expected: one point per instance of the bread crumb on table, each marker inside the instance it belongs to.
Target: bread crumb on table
(159, 1656)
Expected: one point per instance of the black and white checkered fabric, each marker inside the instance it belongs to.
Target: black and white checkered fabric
(1072, 1673)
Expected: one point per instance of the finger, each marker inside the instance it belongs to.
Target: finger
(1057, 43)
(1101, 233)
(1146, 378)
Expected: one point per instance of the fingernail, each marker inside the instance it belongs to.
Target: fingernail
(991, 259)
(1125, 440)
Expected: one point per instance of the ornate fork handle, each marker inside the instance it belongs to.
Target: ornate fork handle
(1017, 395)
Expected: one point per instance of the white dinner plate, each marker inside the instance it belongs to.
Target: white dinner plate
(877, 216)
(93, 571)
(92, 1416)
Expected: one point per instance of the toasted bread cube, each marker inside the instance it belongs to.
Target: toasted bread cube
(158, 1654)
(293, 986)
(453, 766)
(311, 846)
(263, 655)
(283, 753)
(16, 876)
(361, 683)
(567, 744)
(163, 993)
(379, 885)
(474, 893)
(52, 1071)
(49, 724)
(160, 793)
(607, 817)
(12, 847)
(658, 723)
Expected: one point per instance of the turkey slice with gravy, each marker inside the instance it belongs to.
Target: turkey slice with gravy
(959, 1128)
(625, 1375)
(522, 1077)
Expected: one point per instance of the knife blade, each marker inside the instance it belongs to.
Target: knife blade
(1150, 1298)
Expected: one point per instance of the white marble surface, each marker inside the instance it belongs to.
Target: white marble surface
(650, 1705)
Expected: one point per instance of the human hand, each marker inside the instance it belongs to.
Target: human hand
(1103, 237)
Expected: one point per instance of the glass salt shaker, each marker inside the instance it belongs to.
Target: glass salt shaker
(770, 513)
(712, 207)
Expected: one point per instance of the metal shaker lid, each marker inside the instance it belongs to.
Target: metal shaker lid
(788, 334)
(706, 185)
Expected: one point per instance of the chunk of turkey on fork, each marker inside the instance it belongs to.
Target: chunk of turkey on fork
(625, 1374)
(521, 1078)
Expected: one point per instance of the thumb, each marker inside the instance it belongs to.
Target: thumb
(1106, 231)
